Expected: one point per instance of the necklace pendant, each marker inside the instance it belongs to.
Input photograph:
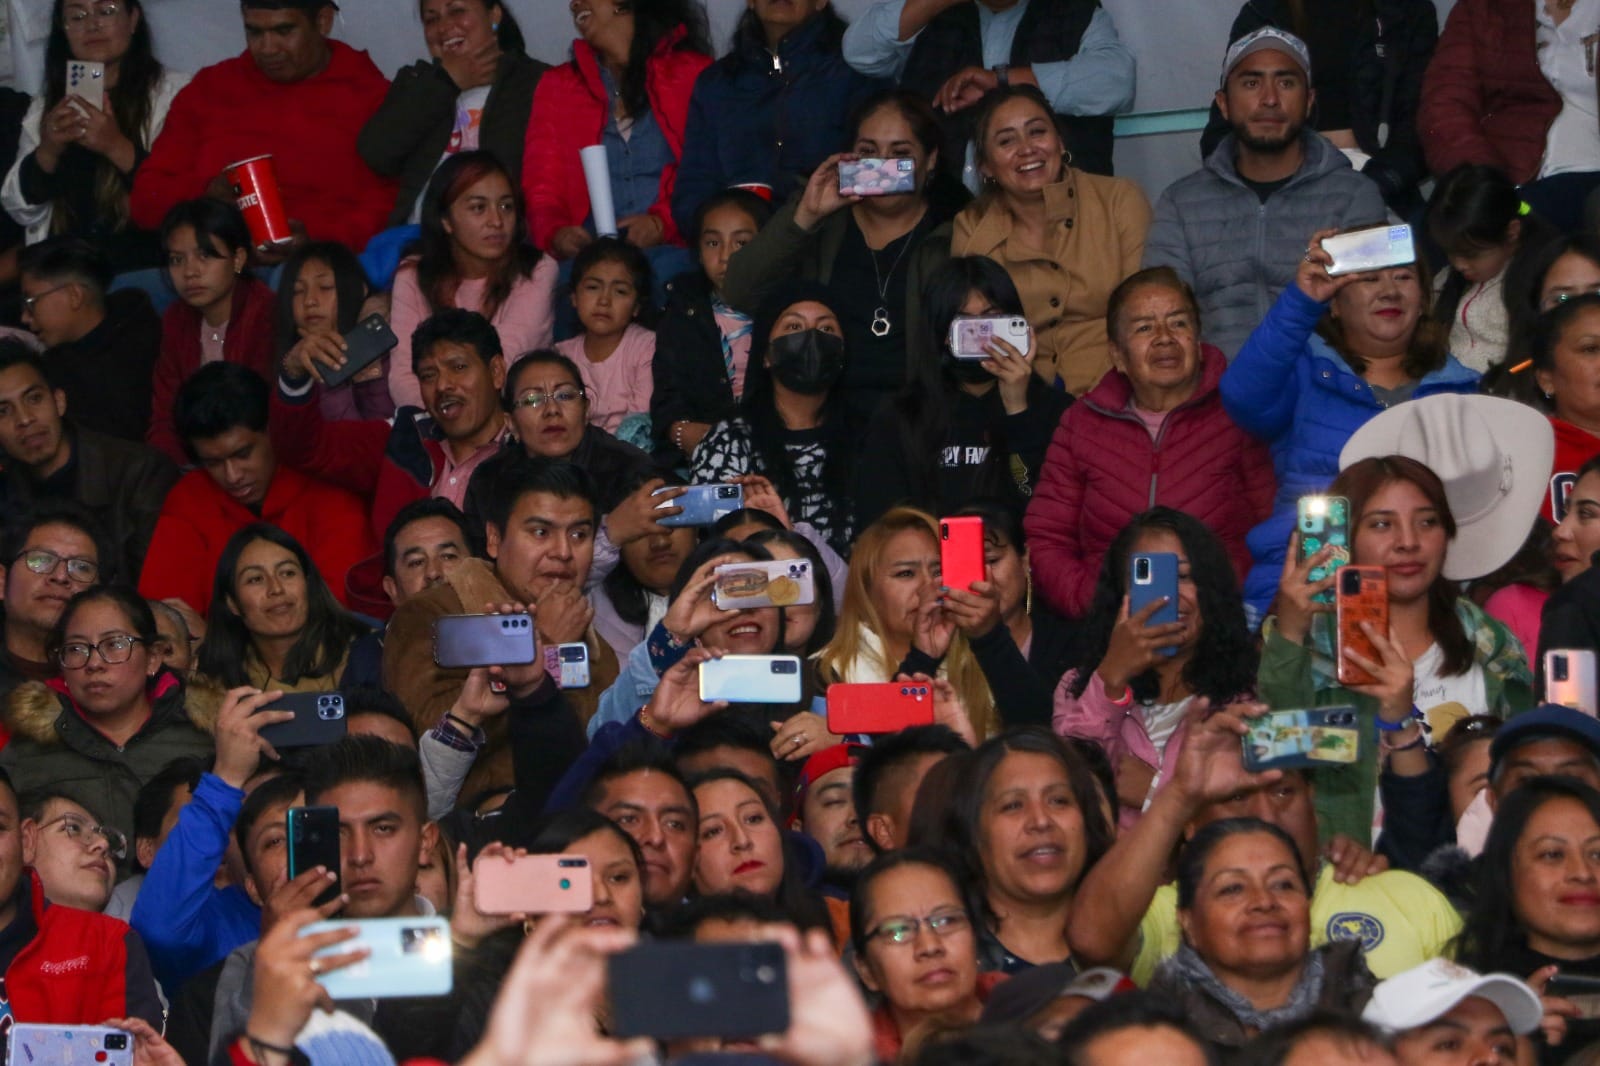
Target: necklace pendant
(880, 322)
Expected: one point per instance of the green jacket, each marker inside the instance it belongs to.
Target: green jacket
(1295, 676)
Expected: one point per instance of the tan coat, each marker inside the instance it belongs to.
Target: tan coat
(1096, 234)
(428, 691)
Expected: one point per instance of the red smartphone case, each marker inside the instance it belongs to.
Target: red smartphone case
(961, 551)
(879, 706)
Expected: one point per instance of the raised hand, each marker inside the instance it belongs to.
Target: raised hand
(1210, 766)
(1136, 646)
(1297, 592)
(821, 197)
(239, 724)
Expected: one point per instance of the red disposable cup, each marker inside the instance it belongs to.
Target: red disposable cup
(255, 190)
(761, 189)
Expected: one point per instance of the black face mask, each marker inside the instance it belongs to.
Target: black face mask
(807, 362)
(967, 371)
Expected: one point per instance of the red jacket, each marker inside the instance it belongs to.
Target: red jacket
(1484, 99)
(250, 341)
(1103, 468)
(231, 112)
(198, 518)
(1574, 447)
(80, 968)
(570, 112)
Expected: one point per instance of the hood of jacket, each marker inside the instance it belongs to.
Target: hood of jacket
(1114, 392)
(34, 709)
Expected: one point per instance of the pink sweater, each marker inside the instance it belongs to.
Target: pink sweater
(1118, 730)
(621, 385)
(525, 321)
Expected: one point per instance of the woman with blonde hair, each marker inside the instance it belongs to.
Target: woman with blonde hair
(892, 621)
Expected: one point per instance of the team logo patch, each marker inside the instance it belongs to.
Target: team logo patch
(1353, 926)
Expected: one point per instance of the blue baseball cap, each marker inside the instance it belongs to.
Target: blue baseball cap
(1543, 722)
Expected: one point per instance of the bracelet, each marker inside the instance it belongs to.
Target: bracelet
(650, 726)
(257, 1046)
(1395, 727)
(1414, 742)
(467, 727)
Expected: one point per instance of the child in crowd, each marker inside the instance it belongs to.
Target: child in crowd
(222, 314)
(610, 284)
(705, 344)
(322, 292)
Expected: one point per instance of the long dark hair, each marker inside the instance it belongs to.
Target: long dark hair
(1524, 281)
(129, 103)
(1223, 665)
(653, 22)
(1491, 935)
(629, 598)
(1471, 210)
(508, 35)
(1358, 483)
(1197, 852)
(749, 44)
(922, 406)
(436, 263)
(322, 644)
(349, 280)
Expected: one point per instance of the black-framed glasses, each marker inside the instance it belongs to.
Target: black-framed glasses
(29, 301)
(112, 650)
(43, 561)
(79, 17)
(904, 930)
(565, 395)
(83, 834)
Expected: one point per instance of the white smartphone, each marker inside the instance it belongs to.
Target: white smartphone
(87, 81)
(572, 665)
(751, 679)
(1569, 679)
(408, 957)
(1374, 248)
(970, 335)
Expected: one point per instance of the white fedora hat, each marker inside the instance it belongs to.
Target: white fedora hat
(1494, 457)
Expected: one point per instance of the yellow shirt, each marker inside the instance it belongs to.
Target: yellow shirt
(1401, 920)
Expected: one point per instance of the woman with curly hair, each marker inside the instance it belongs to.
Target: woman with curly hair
(1135, 682)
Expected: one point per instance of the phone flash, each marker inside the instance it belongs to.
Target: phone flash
(1317, 505)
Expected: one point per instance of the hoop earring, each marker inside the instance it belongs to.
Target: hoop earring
(1027, 597)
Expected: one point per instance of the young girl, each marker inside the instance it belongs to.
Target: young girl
(704, 342)
(321, 294)
(610, 284)
(474, 254)
(222, 313)
(1478, 218)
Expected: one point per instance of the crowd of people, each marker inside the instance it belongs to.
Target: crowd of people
(242, 474)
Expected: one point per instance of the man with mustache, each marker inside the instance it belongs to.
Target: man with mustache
(51, 551)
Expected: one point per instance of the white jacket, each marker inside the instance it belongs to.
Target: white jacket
(35, 218)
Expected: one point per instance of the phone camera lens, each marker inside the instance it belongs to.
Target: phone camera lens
(1558, 667)
(1141, 570)
(116, 1041)
(1352, 582)
(944, 531)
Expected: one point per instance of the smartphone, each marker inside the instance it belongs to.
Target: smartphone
(1324, 521)
(572, 665)
(318, 719)
(68, 1045)
(961, 551)
(1373, 248)
(468, 640)
(313, 842)
(1584, 992)
(703, 505)
(533, 884)
(87, 81)
(1151, 577)
(408, 957)
(878, 706)
(677, 989)
(1569, 679)
(751, 679)
(1303, 740)
(763, 583)
(970, 334)
(1363, 597)
(366, 344)
(877, 177)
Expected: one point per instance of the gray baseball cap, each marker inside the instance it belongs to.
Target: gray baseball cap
(1268, 37)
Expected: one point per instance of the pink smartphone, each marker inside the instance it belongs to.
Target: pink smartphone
(533, 884)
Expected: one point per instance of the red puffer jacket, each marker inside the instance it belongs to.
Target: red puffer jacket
(1103, 468)
(569, 113)
(1484, 99)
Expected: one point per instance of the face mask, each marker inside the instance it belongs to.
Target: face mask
(1472, 831)
(807, 362)
(967, 371)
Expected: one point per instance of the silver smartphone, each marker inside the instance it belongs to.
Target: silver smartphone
(751, 679)
(1569, 679)
(469, 640)
(87, 81)
(407, 957)
(1375, 248)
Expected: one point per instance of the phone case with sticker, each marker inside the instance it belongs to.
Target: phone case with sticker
(1303, 739)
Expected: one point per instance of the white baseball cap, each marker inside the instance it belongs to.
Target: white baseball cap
(1426, 993)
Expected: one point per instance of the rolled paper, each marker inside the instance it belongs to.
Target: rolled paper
(597, 173)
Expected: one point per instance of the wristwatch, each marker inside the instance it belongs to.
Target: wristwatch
(1002, 73)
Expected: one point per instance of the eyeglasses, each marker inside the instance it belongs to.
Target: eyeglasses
(113, 650)
(904, 930)
(78, 18)
(42, 561)
(566, 394)
(83, 834)
(29, 301)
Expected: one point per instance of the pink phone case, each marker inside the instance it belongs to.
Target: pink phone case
(533, 884)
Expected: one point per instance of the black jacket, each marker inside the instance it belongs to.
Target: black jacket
(1024, 688)
(1050, 31)
(406, 137)
(1386, 62)
(106, 373)
(690, 378)
(1571, 616)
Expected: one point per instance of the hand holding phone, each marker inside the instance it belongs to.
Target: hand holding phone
(1323, 522)
(369, 341)
(463, 641)
(961, 551)
(878, 706)
(1153, 579)
(1362, 607)
(313, 840)
(672, 989)
(508, 884)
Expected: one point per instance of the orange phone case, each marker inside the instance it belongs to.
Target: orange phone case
(1362, 595)
(878, 706)
(533, 884)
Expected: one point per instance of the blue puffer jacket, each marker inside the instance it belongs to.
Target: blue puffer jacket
(759, 117)
(1290, 388)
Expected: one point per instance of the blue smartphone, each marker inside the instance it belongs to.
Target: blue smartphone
(1152, 576)
(703, 505)
(408, 957)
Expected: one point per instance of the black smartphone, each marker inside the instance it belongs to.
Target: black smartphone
(469, 640)
(1583, 991)
(313, 842)
(671, 990)
(364, 345)
(318, 719)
